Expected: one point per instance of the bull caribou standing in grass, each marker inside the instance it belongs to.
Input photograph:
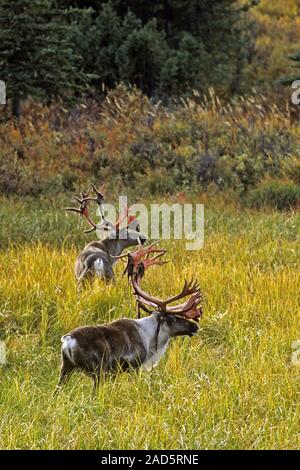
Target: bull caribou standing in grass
(98, 257)
(132, 343)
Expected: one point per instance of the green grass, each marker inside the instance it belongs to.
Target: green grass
(281, 195)
(230, 387)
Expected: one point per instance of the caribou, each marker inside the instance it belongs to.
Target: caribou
(98, 257)
(132, 343)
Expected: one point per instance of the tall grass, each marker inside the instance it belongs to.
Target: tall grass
(232, 386)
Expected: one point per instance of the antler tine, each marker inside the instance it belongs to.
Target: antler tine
(141, 252)
(194, 300)
(149, 250)
(121, 256)
(90, 229)
(138, 261)
(99, 198)
(188, 309)
(140, 306)
(83, 205)
(154, 261)
(160, 253)
(83, 209)
(101, 190)
(73, 209)
(153, 244)
(188, 289)
(77, 199)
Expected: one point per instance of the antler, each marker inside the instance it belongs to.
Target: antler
(138, 255)
(99, 198)
(84, 203)
(138, 261)
(188, 309)
(129, 219)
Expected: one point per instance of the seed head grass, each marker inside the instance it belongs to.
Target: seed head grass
(232, 386)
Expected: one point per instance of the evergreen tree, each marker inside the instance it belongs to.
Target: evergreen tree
(168, 46)
(164, 46)
(36, 56)
(97, 41)
(142, 53)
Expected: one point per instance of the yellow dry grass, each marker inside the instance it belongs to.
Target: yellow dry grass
(230, 387)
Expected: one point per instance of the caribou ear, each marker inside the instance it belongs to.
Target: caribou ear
(107, 228)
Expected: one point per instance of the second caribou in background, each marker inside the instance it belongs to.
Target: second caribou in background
(98, 257)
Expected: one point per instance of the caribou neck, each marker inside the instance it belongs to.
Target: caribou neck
(153, 338)
(114, 247)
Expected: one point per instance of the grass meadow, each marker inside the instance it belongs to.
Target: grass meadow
(230, 387)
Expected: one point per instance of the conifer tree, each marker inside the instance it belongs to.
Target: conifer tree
(166, 46)
(36, 55)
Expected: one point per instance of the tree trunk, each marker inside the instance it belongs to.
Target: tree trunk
(16, 107)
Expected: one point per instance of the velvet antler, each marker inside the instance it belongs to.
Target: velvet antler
(138, 261)
(189, 309)
(105, 225)
(84, 202)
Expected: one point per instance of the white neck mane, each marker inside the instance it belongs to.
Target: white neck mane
(148, 332)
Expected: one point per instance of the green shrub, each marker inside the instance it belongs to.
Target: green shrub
(16, 178)
(277, 194)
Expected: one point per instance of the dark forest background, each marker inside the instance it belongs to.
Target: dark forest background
(166, 48)
(163, 95)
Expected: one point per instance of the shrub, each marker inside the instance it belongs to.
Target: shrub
(16, 178)
(294, 171)
(277, 194)
(128, 141)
